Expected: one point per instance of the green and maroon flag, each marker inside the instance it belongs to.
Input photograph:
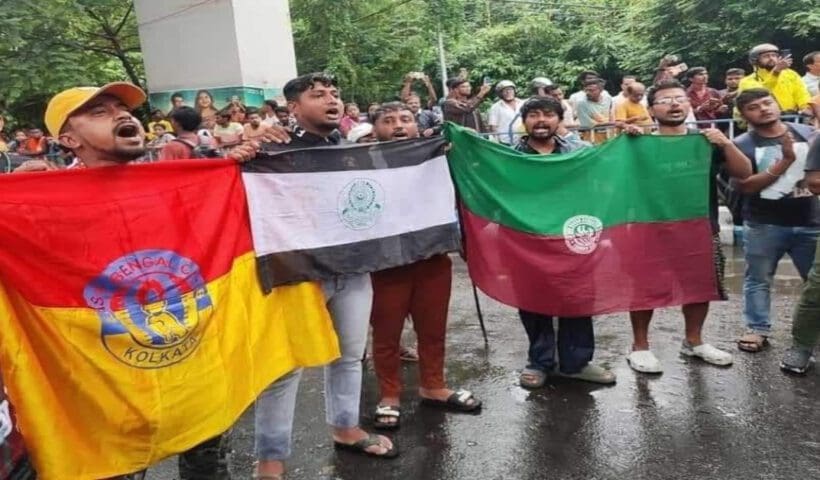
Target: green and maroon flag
(619, 227)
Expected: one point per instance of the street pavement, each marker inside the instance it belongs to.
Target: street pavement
(695, 421)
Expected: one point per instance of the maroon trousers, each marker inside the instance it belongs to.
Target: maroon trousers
(422, 290)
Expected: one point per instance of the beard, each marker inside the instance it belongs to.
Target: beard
(670, 122)
(127, 154)
(544, 134)
(328, 124)
(764, 124)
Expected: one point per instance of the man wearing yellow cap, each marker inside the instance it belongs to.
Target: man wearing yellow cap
(96, 124)
(771, 71)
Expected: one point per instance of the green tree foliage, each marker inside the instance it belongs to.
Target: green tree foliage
(520, 39)
(50, 45)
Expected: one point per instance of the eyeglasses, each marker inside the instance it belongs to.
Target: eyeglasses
(671, 100)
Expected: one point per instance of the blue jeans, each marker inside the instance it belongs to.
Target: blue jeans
(764, 246)
(349, 300)
(576, 342)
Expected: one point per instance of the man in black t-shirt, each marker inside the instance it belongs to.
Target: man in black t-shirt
(314, 101)
(781, 214)
(806, 327)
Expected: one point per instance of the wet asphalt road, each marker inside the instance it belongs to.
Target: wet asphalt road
(696, 421)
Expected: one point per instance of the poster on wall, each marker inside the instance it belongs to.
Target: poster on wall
(209, 101)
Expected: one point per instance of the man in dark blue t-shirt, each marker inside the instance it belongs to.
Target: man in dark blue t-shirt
(781, 215)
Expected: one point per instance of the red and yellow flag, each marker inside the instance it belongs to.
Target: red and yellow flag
(132, 322)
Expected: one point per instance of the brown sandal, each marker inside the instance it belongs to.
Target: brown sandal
(752, 342)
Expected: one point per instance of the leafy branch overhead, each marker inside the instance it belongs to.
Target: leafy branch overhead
(48, 45)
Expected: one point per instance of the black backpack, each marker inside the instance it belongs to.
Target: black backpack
(199, 150)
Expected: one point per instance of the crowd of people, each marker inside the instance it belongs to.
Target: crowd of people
(780, 209)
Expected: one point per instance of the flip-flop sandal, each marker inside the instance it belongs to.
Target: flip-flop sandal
(457, 402)
(752, 342)
(386, 412)
(362, 445)
(532, 379)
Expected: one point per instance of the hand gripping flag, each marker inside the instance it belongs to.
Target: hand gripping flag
(132, 322)
(620, 227)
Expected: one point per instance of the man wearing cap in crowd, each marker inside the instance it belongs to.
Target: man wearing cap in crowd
(504, 112)
(96, 124)
(770, 70)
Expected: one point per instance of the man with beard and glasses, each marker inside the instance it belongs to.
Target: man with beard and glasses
(669, 105)
(97, 126)
(771, 71)
(575, 338)
(781, 213)
(314, 101)
(421, 290)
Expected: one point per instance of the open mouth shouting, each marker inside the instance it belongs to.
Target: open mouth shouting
(400, 134)
(333, 113)
(129, 131)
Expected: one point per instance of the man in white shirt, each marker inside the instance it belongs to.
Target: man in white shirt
(504, 112)
(812, 76)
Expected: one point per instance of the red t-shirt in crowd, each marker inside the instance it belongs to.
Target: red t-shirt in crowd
(177, 149)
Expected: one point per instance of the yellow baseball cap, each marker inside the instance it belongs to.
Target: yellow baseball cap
(69, 101)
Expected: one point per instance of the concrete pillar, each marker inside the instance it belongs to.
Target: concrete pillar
(222, 49)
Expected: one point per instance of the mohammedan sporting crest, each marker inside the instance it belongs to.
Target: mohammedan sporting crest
(153, 304)
(361, 203)
(582, 233)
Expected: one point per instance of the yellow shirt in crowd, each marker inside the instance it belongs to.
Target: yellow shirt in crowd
(787, 87)
(629, 109)
(150, 133)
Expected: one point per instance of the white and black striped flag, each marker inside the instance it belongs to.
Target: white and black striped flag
(322, 212)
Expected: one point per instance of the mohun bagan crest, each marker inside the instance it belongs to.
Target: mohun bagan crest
(361, 203)
(582, 233)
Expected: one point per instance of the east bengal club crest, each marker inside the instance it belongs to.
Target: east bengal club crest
(153, 305)
(361, 202)
(582, 233)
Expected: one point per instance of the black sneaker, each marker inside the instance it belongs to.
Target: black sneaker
(796, 360)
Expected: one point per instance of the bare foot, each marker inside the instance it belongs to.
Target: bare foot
(269, 468)
(436, 393)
